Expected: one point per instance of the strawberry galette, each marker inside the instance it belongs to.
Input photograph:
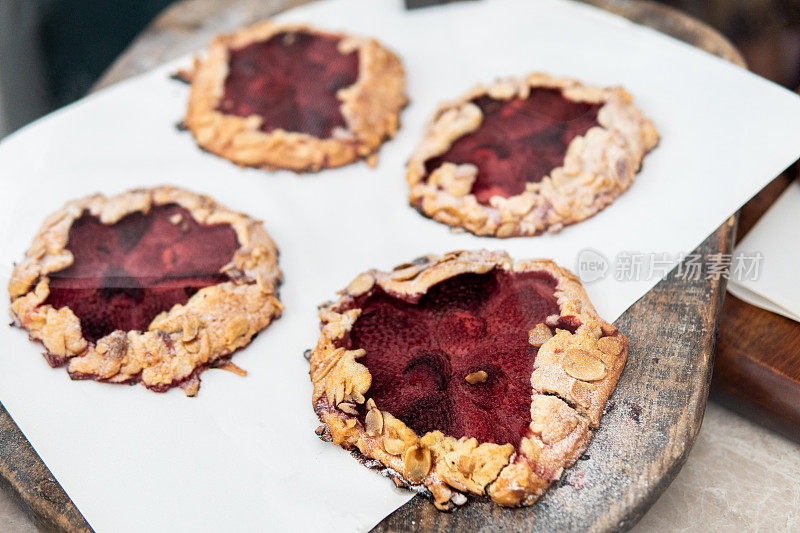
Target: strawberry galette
(524, 156)
(151, 286)
(467, 373)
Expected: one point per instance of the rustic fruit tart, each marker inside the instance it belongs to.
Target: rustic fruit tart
(524, 156)
(151, 286)
(295, 97)
(467, 373)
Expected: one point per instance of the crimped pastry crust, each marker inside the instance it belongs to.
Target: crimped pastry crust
(574, 374)
(181, 342)
(370, 107)
(598, 166)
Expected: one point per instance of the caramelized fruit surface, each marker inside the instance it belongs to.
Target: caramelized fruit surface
(419, 354)
(519, 141)
(290, 81)
(125, 274)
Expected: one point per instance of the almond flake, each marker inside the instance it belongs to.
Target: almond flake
(360, 285)
(357, 397)
(582, 393)
(405, 273)
(417, 461)
(467, 463)
(477, 377)
(348, 408)
(338, 394)
(610, 345)
(374, 422)
(581, 365)
(539, 335)
(393, 446)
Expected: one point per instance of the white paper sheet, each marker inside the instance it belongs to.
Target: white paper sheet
(243, 455)
(769, 279)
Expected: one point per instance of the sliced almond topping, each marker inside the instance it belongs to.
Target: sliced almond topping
(190, 327)
(262, 284)
(583, 366)
(357, 397)
(467, 463)
(338, 394)
(351, 423)
(371, 404)
(417, 460)
(504, 90)
(610, 345)
(455, 179)
(582, 393)
(477, 377)
(393, 446)
(329, 360)
(506, 230)
(360, 285)
(539, 335)
(348, 408)
(405, 273)
(374, 422)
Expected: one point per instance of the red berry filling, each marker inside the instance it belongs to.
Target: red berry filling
(519, 141)
(125, 274)
(419, 354)
(290, 81)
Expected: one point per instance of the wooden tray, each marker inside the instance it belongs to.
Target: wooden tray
(653, 417)
(757, 371)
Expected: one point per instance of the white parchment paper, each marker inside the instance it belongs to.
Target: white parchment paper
(769, 256)
(243, 455)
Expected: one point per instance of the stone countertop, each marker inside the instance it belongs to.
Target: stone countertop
(738, 477)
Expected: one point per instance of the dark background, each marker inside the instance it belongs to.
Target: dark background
(52, 51)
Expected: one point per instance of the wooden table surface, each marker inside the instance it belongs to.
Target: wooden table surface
(665, 383)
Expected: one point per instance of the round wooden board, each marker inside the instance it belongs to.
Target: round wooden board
(652, 418)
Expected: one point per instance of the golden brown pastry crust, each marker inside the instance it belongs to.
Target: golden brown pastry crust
(370, 107)
(574, 374)
(179, 343)
(598, 166)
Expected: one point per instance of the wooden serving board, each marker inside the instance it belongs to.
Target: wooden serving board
(652, 419)
(757, 371)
